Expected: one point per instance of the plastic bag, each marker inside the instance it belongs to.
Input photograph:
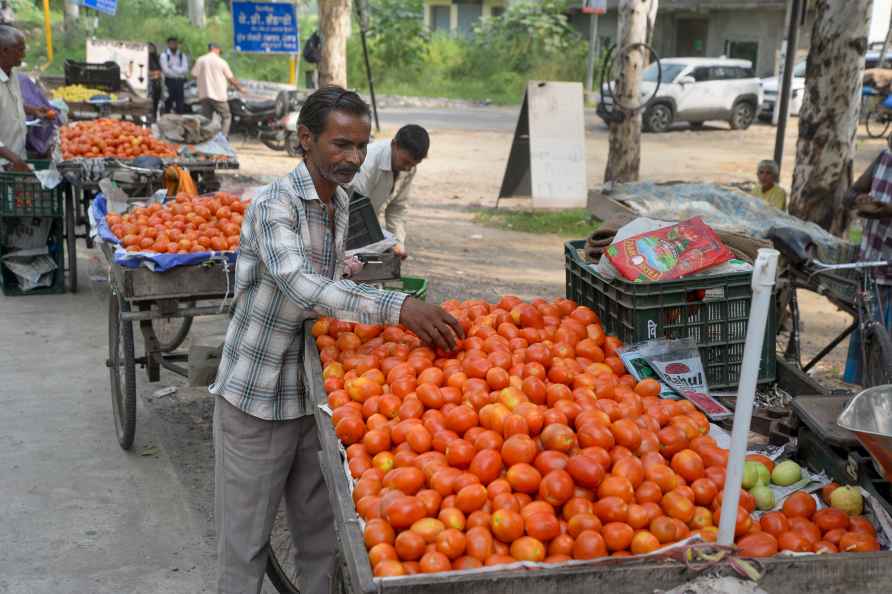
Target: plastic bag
(669, 253)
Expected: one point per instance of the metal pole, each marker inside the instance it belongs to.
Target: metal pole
(779, 72)
(363, 28)
(792, 41)
(48, 29)
(592, 53)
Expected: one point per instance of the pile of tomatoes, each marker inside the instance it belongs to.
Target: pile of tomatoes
(112, 138)
(186, 224)
(530, 443)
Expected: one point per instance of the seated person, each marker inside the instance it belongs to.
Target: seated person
(768, 190)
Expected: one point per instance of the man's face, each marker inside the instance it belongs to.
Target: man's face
(11, 57)
(173, 45)
(766, 177)
(340, 149)
(402, 160)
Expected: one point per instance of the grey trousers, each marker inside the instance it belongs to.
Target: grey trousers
(257, 463)
(209, 107)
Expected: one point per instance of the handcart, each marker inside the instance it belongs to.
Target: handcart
(163, 305)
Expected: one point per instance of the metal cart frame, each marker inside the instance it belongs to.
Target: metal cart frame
(152, 300)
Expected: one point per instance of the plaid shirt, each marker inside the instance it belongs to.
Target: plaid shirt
(285, 273)
(876, 243)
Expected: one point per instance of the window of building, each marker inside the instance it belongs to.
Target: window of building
(743, 50)
(469, 13)
(440, 18)
(497, 11)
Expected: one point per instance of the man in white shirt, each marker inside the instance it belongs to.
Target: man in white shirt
(386, 177)
(175, 67)
(12, 107)
(214, 77)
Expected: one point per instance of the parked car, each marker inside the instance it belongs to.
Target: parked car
(770, 89)
(770, 85)
(697, 90)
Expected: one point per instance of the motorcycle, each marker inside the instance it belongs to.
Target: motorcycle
(273, 122)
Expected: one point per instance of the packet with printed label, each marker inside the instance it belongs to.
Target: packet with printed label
(677, 363)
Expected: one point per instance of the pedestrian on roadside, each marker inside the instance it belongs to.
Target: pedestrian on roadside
(290, 270)
(175, 67)
(767, 189)
(13, 132)
(386, 178)
(155, 78)
(214, 77)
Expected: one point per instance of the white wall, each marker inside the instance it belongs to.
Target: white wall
(879, 20)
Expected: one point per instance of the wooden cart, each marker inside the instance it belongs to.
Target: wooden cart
(163, 304)
(861, 572)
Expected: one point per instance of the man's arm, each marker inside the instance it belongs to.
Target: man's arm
(233, 80)
(17, 164)
(280, 251)
(396, 213)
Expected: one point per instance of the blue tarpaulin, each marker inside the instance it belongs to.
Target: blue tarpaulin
(152, 260)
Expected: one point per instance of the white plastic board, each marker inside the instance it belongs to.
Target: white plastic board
(133, 58)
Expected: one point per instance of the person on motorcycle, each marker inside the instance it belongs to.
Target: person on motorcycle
(214, 77)
(386, 177)
(871, 195)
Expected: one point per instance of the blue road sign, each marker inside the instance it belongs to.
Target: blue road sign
(106, 6)
(265, 27)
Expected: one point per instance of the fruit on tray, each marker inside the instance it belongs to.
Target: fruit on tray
(79, 93)
(531, 442)
(112, 138)
(186, 224)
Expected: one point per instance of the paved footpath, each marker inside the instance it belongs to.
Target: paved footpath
(77, 513)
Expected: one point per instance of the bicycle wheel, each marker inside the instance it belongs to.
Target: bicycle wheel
(171, 332)
(877, 356)
(877, 124)
(122, 371)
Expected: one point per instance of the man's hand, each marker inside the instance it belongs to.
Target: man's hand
(599, 241)
(19, 166)
(431, 323)
(400, 251)
(869, 208)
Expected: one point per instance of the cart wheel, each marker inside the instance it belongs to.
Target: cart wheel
(877, 123)
(877, 356)
(171, 332)
(280, 568)
(122, 370)
(71, 237)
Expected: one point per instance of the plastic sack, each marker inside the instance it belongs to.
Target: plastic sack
(669, 253)
(151, 260)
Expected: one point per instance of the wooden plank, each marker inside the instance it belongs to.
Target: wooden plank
(796, 382)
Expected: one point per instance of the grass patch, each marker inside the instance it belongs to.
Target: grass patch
(572, 223)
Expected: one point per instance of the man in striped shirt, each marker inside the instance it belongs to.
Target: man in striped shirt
(289, 270)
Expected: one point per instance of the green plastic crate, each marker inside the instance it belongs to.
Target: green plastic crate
(712, 309)
(21, 195)
(414, 286)
(55, 242)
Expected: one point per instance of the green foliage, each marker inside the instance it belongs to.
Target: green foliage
(397, 36)
(573, 223)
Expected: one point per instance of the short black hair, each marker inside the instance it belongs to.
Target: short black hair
(314, 112)
(169, 39)
(414, 139)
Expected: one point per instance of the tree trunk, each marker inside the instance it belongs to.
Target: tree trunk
(197, 13)
(334, 25)
(635, 24)
(828, 119)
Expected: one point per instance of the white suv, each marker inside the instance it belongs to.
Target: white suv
(699, 89)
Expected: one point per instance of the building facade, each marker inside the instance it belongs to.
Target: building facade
(747, 29)
(459, 16)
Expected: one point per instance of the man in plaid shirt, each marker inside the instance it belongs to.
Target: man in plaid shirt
(289, 270)
(872, 196)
